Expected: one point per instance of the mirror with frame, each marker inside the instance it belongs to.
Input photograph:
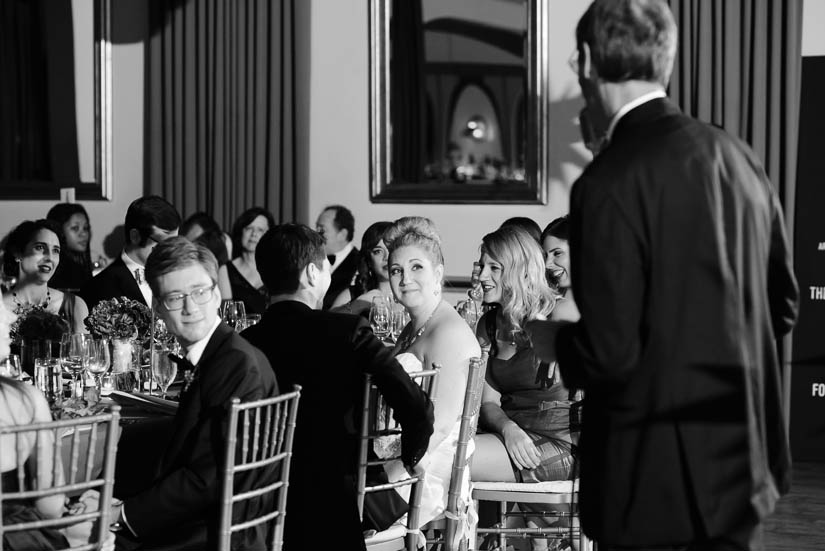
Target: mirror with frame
(458, 101)
(55, 102)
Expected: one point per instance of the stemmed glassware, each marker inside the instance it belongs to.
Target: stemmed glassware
(400, 319)
(469, 311)
(380, 317)
(72, 355)
(164, 369)
(233, 313)
(98, 358)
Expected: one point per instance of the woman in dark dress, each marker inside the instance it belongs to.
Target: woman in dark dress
(75, 268)
(244, 279)
(372, 278)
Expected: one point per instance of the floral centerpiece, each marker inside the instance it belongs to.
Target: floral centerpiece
(35, 327)
(124, 321)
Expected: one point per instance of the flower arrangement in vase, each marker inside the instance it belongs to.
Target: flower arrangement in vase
(35, 329)
(128, 324)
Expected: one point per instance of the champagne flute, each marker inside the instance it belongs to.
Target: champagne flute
(72, 360)
(164, 369)
(468, 310)
(380, 317)
(400, 319)
(98, 359)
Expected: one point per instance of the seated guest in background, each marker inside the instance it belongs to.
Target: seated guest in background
(527, 224)
(337, 226)
(244, 279)
(22, 404)
(437, 335)
(179, 510)
(213, 240)
(149, 220)
(327, 354)
(201, 222)
(554, 242)
(75, 268)
(32, 254)
(527, 441)
(372, 278)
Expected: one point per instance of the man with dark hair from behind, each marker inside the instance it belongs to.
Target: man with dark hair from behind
(337, 227)
(179, 509)
(149, 220)
(682, 273)
(327, 354)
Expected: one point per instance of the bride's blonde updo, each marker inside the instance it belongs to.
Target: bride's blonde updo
(417, 231)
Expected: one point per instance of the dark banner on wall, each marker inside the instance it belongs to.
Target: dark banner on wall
(808, 370)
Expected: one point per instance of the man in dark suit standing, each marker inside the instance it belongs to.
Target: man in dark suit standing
(180, 508)
(327, 354)
(149, 220)
(682, 273)
(337, 226)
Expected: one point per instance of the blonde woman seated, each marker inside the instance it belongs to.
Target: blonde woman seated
(436, 334)
(22, 404)
(525, 406)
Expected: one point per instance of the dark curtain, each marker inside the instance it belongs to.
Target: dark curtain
(221, 106)
(407, 100)
(739, 66)
(38, 120)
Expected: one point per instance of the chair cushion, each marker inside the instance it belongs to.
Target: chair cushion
(394, 532)
(549, 487)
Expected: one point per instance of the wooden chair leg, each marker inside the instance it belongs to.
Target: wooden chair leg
(502, 518)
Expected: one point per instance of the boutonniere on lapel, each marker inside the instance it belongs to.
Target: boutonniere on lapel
(190, 372)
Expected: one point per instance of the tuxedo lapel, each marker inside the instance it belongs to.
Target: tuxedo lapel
(127, 281)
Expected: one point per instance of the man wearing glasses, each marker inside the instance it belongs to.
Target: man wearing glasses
(149, 220)
(182, 501)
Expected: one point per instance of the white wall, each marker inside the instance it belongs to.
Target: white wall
(813, 39)
(127, 153)
(338, 169)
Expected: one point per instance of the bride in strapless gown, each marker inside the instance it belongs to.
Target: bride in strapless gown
(436, 335)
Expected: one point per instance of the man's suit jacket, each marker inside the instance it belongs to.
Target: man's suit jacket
(682, 273)
(114, 281)
(342, 278)
(182, 503)
(328, 353)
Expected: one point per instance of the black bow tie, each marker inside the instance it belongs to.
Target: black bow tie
(331, 258)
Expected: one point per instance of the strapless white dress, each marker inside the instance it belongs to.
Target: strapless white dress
(437, 464)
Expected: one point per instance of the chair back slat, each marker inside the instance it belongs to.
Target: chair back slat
(66, 477)
(261, 459)
(377, 421)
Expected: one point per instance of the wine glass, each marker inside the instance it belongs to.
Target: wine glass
(164, 369)
(234, 311)
(10, 367)
(380, 316)
(72, 356)
(98, 359)
(400, 319)
(468, 310)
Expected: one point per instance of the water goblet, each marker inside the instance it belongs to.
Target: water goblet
(380, 317)
(72, 360)
(234, 312)
(164, 369)
(98, 359)
(468, 310)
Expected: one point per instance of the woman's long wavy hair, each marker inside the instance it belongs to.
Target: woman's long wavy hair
(366, 280)
(525, 294)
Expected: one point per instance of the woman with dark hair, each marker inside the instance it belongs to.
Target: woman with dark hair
(527, 224)
(213, 240)
(554, 242)
(244, 280)
(31, 256)
(75, 268)
(372, 278)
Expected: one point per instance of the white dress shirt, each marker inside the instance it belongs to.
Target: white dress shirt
(133, 266)
(194, 352)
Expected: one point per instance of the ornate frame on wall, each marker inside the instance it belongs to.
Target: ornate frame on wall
(383, 187)
(101, 187)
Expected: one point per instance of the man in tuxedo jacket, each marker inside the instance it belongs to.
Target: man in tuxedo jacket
(179, 510)
(149, 220)
(337, 225)
(327, 354)
(682, 273)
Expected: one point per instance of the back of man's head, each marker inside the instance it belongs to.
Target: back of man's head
(283, 253)
(344, 220)
(146, 212)
(629, 39)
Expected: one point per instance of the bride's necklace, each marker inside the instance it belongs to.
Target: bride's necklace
(413, 336)
(44, 304)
